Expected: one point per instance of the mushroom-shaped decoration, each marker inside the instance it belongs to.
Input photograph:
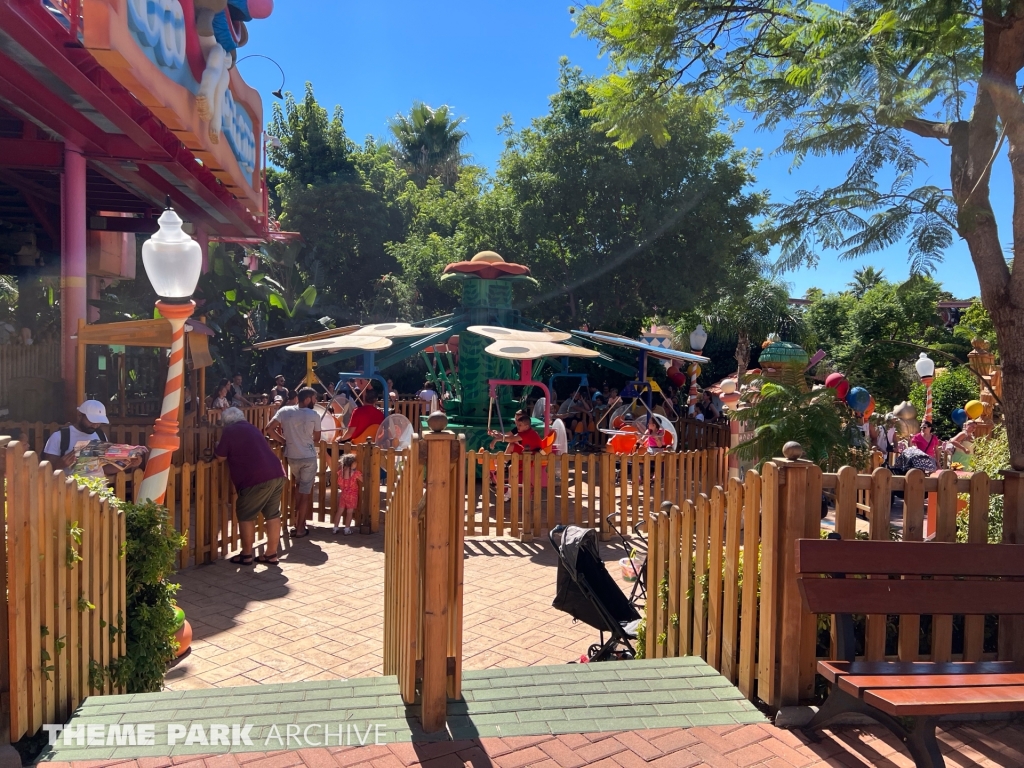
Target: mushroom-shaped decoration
(486, 265)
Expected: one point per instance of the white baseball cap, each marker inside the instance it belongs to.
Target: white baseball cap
(94, 411)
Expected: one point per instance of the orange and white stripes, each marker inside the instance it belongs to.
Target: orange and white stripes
(164, 440)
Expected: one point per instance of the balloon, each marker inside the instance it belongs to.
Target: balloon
(871, 406)
(974, 409)
(858, 399)
(839, 383)
(958, 417)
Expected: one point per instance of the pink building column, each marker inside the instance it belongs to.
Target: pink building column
(72, 265)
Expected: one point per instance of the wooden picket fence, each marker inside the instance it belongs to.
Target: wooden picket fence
(18, 361)
(580, 489)
(412, 408)
(402, 632)
(63, 578)
(722, 578)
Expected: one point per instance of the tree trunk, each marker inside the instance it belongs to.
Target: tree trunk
(742, 356)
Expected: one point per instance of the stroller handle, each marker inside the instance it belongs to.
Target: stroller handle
(558, 529)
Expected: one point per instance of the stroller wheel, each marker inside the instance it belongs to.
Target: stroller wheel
(593, 650)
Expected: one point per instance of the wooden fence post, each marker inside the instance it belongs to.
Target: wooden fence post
(1011, 628)
(442, 449)
(799, 518)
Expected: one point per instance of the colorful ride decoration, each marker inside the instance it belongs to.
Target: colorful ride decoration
(974, 409)
(858, 399)
(784, 362)
(838, 382)
(959, 416)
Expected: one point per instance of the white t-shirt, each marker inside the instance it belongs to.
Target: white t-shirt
(52, 446)
(298, 425)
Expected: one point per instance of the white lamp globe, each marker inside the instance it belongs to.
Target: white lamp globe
(728, 386)
(925, 366)
(172, 259)
(698, 338)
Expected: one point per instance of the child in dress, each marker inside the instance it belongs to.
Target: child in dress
(350, 480)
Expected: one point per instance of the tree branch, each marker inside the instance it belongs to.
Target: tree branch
(928, 129)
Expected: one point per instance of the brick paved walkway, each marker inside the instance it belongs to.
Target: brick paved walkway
(319, 615)
(988, 745)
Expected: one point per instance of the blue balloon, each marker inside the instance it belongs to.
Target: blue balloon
(959, 417)
(858, 399)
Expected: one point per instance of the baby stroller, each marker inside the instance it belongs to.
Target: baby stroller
(639, 591)
(587, 592)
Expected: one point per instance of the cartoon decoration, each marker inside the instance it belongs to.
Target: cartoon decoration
(958, 416)
(858, 399)
(220, 25)
(907, 415)
(839, 383)
(974, 409)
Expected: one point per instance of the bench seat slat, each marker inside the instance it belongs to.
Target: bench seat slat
(918, 597)
(856, 684)
(908, 558)
(913, 702)
(831, 670)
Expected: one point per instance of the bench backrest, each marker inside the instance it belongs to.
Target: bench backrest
(988, 590)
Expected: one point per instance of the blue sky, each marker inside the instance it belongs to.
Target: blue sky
(489, 59)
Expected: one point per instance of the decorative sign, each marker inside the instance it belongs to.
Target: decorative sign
(177, 57)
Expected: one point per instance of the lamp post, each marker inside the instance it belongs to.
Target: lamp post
(698, 338)
(926, 370)
(173, 261)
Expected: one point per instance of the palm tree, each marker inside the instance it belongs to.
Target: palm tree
(864, 279)
(761, 309)
(429, 143)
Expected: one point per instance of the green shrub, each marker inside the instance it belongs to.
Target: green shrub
(950, 391)
(991, 455)
(153, 545)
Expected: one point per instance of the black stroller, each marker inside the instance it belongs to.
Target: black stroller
(587, 592)
(638, 595)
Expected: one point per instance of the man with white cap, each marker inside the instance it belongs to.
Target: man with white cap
(60, 447)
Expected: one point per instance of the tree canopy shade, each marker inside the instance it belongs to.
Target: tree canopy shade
(615, 235)
(865, 78)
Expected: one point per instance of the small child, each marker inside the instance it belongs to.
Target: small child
(349, 481)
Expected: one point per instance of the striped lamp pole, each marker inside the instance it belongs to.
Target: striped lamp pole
(926, 370)
(173, 261)
(165, 441)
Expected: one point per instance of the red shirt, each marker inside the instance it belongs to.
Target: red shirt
(528, 441)
(364, 417)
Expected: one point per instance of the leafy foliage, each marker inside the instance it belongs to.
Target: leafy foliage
(815, 419)
(991, 455)
(153, 545)
(618, 235)
(976, 322)
(950, 390)
(429, 143)
(872, 338)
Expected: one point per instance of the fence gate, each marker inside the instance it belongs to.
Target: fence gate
(423, 571)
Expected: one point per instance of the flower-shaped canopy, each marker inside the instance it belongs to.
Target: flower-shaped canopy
(486, 265)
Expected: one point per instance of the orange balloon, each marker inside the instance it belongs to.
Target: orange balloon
(871, 406)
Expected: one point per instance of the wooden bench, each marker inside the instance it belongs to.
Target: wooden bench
(979, 580)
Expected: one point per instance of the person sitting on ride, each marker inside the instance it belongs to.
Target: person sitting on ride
(522, 440)
(654, 436)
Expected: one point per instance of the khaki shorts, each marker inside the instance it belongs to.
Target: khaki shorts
(265, 498)
(303, 471)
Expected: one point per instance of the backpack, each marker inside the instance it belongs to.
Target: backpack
(65, 439)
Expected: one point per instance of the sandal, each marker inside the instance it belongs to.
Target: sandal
(268, 559)
(295, 533)
(241, 559)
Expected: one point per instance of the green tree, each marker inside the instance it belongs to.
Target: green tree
(345, 200)
(429, 143)
(759, 308)
(618, 235)
(867, 77)
(864, 279)
(871, 338)
(975, 322)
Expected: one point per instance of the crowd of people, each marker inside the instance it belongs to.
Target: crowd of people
(924, 449)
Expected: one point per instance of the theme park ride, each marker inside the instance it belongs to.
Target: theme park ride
(485, 359)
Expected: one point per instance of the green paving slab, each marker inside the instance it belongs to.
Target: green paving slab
(521, 701)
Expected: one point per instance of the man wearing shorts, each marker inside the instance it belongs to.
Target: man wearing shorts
(297, 427)
(259, 480)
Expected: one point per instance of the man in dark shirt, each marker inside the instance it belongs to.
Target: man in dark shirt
(258, 477)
